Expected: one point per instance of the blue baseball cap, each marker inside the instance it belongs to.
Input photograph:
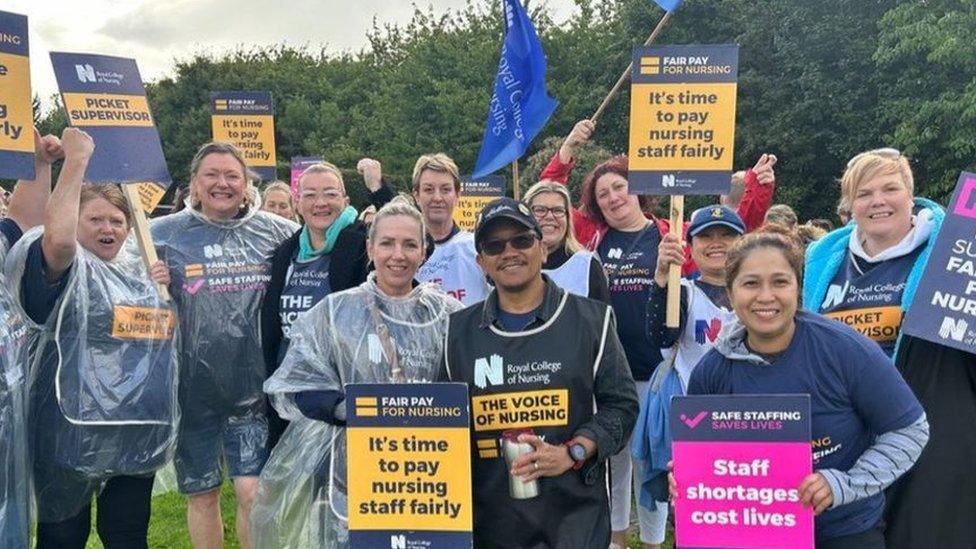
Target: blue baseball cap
(504, 208)
(710, 216)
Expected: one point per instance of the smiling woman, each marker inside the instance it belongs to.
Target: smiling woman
(875, 425)
(218, 251)
(887, 245)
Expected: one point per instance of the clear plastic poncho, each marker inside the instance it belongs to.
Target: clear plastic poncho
(356, 336)
(220, 270)
(15, 476)
(103, 398)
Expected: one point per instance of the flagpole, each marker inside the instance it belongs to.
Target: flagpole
(626, 75)
(515, 181)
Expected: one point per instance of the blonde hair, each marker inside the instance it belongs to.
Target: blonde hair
(221, 147)
(322, 168)
(570, 244)
(868, 165)
(437, 162)
(400, 205)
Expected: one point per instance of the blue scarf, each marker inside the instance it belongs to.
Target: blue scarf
(305, 250)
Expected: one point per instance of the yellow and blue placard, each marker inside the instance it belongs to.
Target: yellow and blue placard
(104, 96)
(16, 111)
(409, 465)
(246, 119)
(476, 193)
(682, 119)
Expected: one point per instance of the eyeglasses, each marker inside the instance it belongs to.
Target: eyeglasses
(522, 241)
(329, 195)
(541, 211)
(884, 152)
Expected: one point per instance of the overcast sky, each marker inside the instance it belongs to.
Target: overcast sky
(157, 32)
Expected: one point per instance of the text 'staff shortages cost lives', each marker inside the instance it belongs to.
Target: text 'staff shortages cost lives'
(409, 465)
(682, 119)
(475, 195)
(738, 465)
(246, 119)
(944, 307)
(104, 96)
(16, 112)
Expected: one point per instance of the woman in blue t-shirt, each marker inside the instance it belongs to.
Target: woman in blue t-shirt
(868, 427)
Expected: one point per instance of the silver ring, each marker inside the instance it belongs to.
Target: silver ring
(536, 465)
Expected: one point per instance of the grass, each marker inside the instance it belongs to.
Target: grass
(167, 527)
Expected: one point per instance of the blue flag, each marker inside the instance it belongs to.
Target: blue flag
(520, 104)
(668, 5)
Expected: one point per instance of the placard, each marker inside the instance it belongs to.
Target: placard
(738, 465)
(104, 96)
(298, 165)
(16, 110)
(475, 195)
(409, 465)
(944, 307)
(682, 119)
(246, 119)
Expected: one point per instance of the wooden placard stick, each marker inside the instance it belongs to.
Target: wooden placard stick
(674, 271)
(517, 191)
(140, 224)
(626, 74)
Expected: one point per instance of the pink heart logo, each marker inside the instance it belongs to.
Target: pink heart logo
(693, 422)
(192, 289)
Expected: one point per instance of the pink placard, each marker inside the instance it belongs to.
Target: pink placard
(742, 495)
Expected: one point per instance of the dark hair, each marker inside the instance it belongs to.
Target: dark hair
(824, 224)
(773, 236)
(111, 193)
(616, 165)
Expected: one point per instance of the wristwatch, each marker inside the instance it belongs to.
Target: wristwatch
(577, 452)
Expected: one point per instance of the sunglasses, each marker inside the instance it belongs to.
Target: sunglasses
(522, 241)
(884, 152)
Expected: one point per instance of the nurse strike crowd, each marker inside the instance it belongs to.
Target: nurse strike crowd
(242, 373)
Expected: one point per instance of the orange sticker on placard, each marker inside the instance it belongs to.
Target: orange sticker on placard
(142, 323)
(107, 109)
(880, 324)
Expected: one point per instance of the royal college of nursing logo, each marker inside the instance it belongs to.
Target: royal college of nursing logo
(488, 371)
(836, 294)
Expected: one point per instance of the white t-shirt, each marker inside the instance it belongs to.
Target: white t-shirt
(453, 267)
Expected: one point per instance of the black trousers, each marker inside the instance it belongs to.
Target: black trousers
(870, 539)
(124, 506)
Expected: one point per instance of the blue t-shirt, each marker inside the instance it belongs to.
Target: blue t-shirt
(306, 284)
(37, 294)
(855, 393)
(867, 296)
(629, 260)
(10, 231)
(515, 322)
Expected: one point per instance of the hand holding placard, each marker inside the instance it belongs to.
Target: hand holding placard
(581, 133)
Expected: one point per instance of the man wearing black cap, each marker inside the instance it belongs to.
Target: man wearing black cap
(545, 368)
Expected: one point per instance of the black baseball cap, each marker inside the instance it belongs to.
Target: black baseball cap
(504, 208)
(711, 216)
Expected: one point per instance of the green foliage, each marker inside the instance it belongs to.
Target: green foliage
(819, 82)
